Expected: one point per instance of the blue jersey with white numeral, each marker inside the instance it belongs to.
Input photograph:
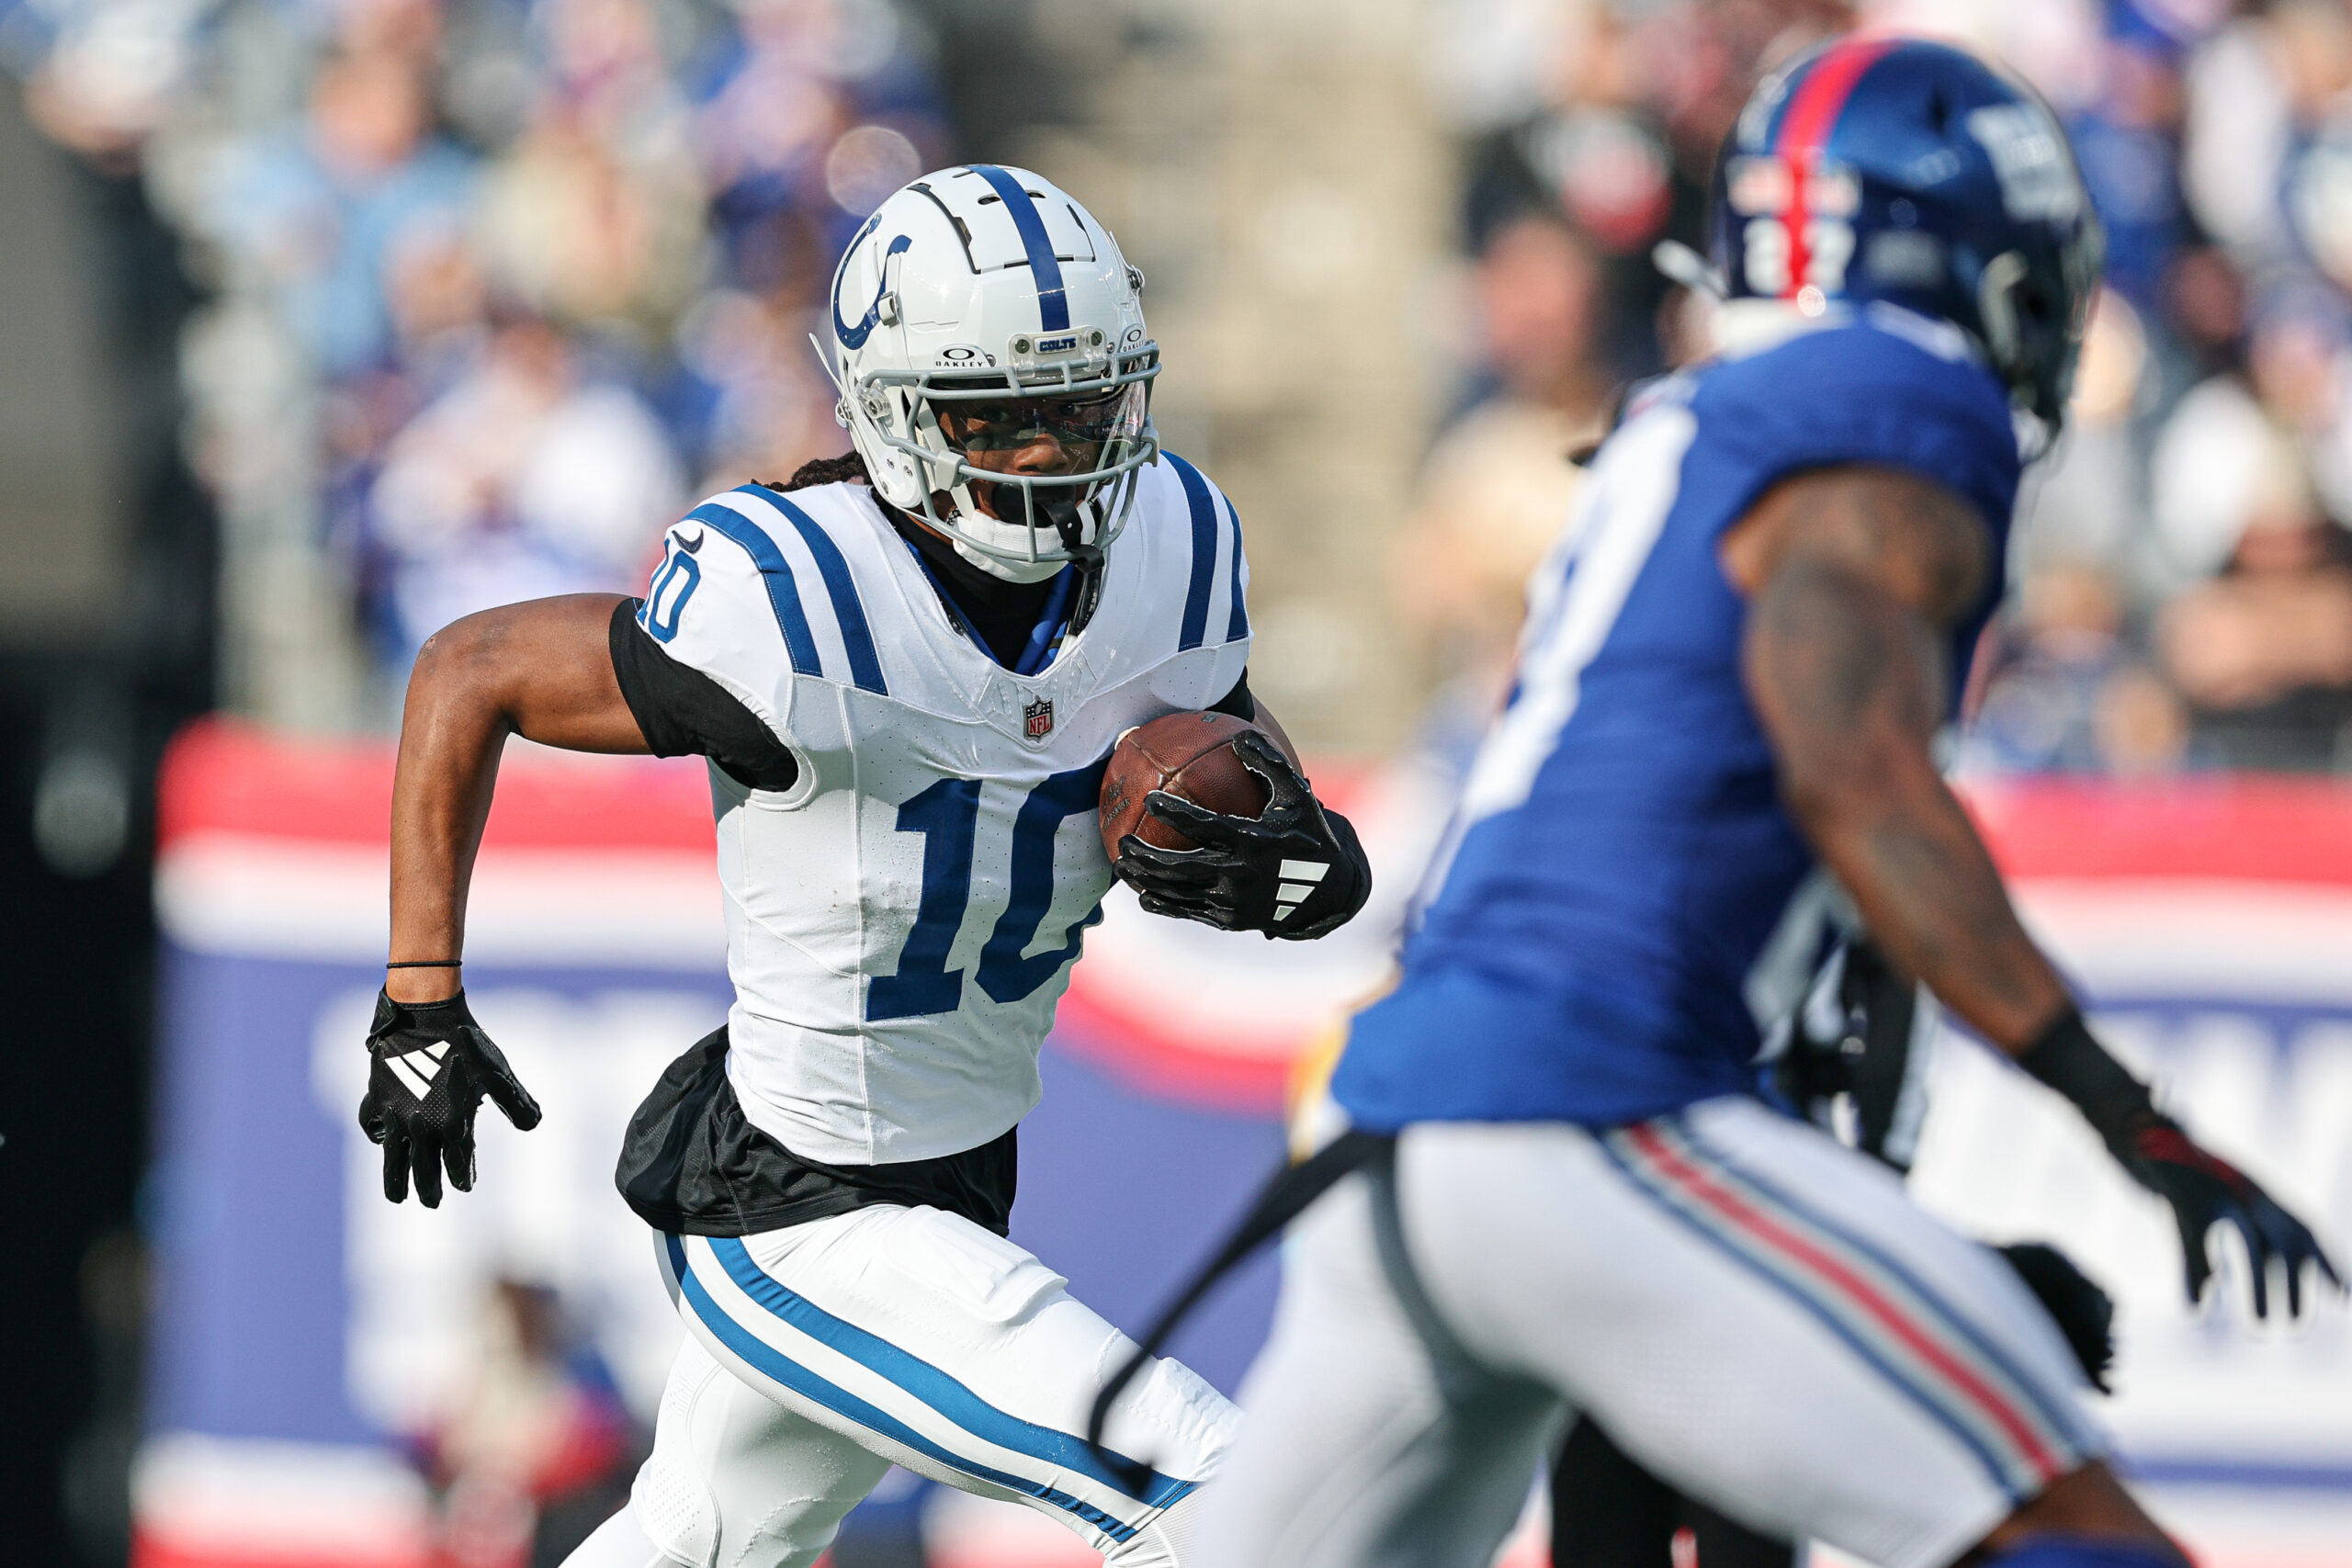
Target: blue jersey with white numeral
(901, 921)
(1623, 858)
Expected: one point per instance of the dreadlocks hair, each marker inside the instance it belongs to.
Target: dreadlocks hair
(848, 467)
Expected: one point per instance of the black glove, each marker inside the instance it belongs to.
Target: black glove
(1295, 871)
(2083, 1313)
(432, 1065)
(2203, 1189)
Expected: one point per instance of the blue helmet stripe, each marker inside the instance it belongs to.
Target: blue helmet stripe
(1053, 304)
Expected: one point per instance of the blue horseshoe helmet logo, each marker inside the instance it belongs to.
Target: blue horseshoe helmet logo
(856, 336)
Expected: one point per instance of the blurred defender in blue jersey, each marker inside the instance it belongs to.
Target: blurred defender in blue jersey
(1727, 691)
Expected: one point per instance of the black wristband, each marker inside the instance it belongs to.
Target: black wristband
(2070, 1059)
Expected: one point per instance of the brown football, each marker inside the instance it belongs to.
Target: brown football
(1187, 754)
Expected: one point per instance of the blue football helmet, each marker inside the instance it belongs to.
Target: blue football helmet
(1878, 168)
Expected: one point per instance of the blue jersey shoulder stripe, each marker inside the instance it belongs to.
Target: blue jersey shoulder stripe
(1196, 597)
(1237, 624)
(1053, 302)
(784, 593)
(864, 663)
(951, 1398)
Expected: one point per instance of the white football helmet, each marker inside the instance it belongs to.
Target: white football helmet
(988, 296)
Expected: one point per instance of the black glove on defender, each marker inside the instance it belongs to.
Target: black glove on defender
(432, 1065)
(2083, 1313)
(2203, 1189)
(1295, 871)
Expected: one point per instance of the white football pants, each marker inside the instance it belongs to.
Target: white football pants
(1758, 1314)
(823, 1353)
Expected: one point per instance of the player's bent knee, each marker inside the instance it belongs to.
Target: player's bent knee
(621, 1542)
(675, 1509)
(1164, 1542)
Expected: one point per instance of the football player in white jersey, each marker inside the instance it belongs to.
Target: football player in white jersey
(907, 668)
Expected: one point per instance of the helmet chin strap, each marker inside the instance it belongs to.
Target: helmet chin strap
(1011, 570)
(1058, 507)
(1064, 510)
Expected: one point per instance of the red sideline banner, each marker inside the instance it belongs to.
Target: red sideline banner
(2220, 825)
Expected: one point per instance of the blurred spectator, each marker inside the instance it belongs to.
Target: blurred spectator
(2263, 650)
(1498, 483)
(770, 407)
(529, 476)
(596, 214)
(316, 206)
(2072, 697)
(2127, 141)
(539, 1450)
(2259, 91)
(649, 195)
(2083, 506)
(1634, 101)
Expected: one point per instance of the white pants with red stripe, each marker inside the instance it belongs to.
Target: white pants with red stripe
(1760, 1316)
(820, 1354)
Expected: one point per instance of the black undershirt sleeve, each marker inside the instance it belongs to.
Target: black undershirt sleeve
(1237, 702)
(684, 713)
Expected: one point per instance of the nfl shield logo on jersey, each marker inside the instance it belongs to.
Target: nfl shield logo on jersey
(1038, 719)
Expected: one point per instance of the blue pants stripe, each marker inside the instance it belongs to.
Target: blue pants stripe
(1651, 1188)
(933, 1387)
(2058, 1426)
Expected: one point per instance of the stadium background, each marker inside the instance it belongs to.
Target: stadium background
(329, 320)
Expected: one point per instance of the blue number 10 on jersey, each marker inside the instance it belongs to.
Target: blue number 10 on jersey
(945, 815)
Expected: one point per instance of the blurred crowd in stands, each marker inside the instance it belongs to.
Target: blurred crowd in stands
(501, 283)
(2184, 561)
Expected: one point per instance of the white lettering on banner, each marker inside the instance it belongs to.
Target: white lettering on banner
(2252, 1050)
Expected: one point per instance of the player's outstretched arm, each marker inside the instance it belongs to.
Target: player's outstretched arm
(1854, 575)
(543, 671)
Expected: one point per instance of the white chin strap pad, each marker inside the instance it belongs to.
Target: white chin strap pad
(972, 522)
(969, 528)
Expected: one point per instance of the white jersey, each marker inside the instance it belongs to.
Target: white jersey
(902, 922)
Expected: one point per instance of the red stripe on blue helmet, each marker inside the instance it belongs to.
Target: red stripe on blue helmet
(1805, 126)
